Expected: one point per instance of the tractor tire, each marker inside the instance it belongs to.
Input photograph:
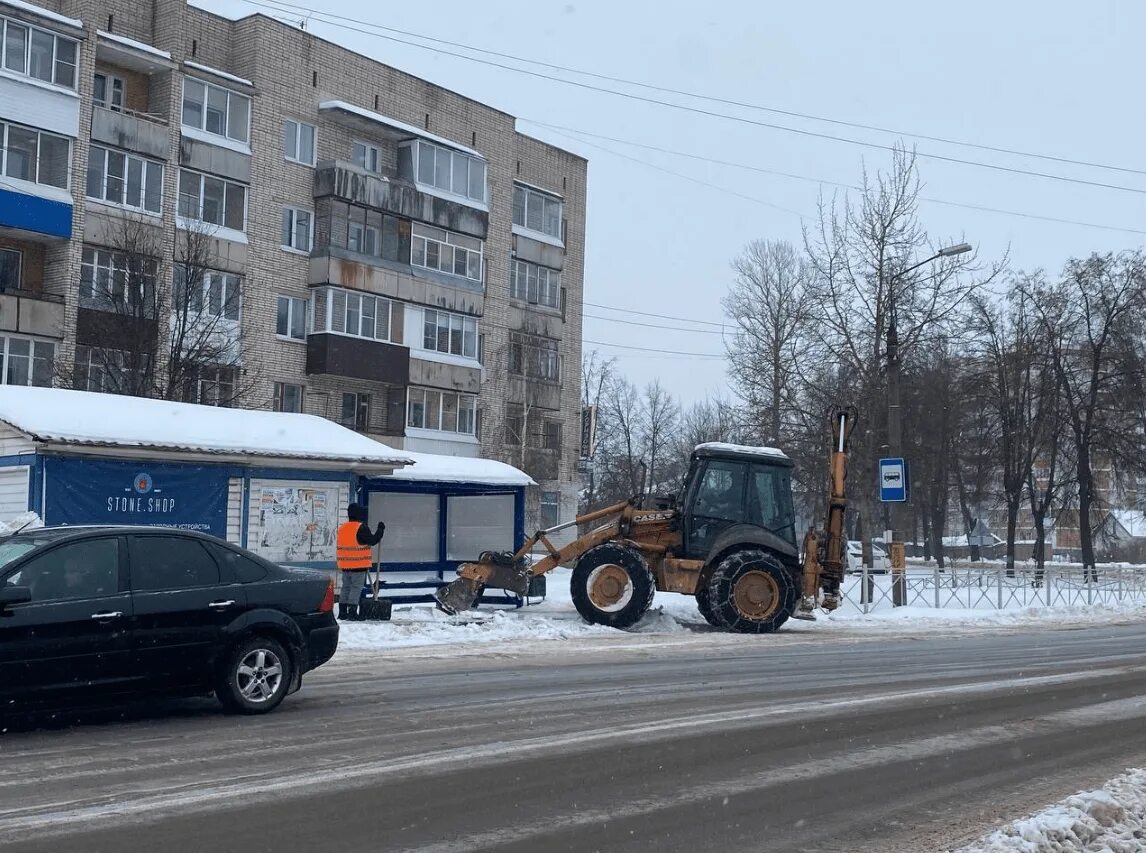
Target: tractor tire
(612, 586)
(704, 605)
(751, 592)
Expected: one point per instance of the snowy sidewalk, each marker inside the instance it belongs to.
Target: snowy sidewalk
(1111, 819)
(676, 617)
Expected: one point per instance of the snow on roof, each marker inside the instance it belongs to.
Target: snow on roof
(24, 6)
(399, 125)
(432, 467)
(223, 74)
(723, 447)
(539, 189)
(1132, 520)
(58, 416)
(133, 44)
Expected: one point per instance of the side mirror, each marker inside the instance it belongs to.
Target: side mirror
(12, 595)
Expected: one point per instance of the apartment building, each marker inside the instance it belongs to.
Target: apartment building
(238, 212)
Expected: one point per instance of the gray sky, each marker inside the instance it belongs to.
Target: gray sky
(1056, 77)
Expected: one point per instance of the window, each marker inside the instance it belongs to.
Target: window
(449, 171)
(357, 314)
(550, 509)
(35, 156)
(450, 333)
(117, 281)
(215, 110)
(363, 238)
(170, 562)
(214, 294)
(720, 492)
(210, 386)
(356, 411)
(536, 285)
(298, 229)
(537, 211)
(288, 398)
(111, 371)
(212, 200)
(514, 424)
(551, 438)
(27, 361)
(240, 567)
(107, 92)
(367, 157)
(369, 232)
(446, 252)
(534, 357)
(86, 569)
(291, 318)
(444, 411)
(125, 180)
(768, 503)
(10, 260)
(38, 53)
(299, 142)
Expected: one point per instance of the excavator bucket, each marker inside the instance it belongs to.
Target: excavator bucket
(458, 595)
(493, 569)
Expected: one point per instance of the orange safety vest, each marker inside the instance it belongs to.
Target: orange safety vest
(352, 557)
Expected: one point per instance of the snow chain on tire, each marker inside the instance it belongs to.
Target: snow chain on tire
(750, 592)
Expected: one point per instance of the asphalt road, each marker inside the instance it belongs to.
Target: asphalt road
(776, 743)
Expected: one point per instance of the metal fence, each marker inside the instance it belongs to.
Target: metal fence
(992, 587)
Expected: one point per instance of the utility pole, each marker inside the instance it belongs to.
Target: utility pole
(895, 546)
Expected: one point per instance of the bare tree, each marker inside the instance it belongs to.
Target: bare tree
(596, 373)
(162, 321)
(771, 304)
(661, 415)
(1021, 391)
(1093, 319)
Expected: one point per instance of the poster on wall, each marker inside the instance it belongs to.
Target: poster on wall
(297, 524)
(91, 491)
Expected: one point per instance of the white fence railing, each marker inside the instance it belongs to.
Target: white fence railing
(993, 587)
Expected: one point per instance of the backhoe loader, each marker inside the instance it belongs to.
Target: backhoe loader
(731, 543)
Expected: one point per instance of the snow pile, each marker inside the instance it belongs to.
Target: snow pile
(24, 521)
(425, 626)
(1112, 818)
(677, 616)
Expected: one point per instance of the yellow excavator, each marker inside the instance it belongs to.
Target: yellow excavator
(731, 542)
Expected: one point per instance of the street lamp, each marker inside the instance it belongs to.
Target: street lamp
(894, 424)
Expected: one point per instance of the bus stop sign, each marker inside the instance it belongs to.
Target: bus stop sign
(893, 480)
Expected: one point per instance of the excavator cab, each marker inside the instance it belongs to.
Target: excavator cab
(731, 492)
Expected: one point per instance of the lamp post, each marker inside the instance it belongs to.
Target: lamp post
(894, 416)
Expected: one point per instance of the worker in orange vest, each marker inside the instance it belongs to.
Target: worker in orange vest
(353, 557)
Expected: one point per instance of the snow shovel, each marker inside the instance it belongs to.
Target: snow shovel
(373, 608)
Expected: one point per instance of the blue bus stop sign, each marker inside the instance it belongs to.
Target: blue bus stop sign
(893, 480)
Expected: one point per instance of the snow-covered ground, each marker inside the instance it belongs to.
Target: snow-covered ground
(1111, 819)
(672, 614)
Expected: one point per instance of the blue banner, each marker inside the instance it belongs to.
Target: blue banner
(89, 491)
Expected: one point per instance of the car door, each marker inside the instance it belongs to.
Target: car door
(74, 634)
(717, 504)
(182, 604)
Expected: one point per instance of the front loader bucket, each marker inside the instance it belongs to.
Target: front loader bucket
(458, 595)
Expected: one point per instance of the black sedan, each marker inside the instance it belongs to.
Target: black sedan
(108, 610)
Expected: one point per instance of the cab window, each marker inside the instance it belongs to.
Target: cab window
(720, 494)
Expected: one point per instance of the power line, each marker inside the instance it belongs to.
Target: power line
(714, 99)
(709, 113)
(650, 349)
(653, 325)
(808, 178)
(650, 314)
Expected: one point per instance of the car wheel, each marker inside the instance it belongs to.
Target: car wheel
(256, 677)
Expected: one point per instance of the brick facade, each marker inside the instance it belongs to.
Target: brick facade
(291, 73)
